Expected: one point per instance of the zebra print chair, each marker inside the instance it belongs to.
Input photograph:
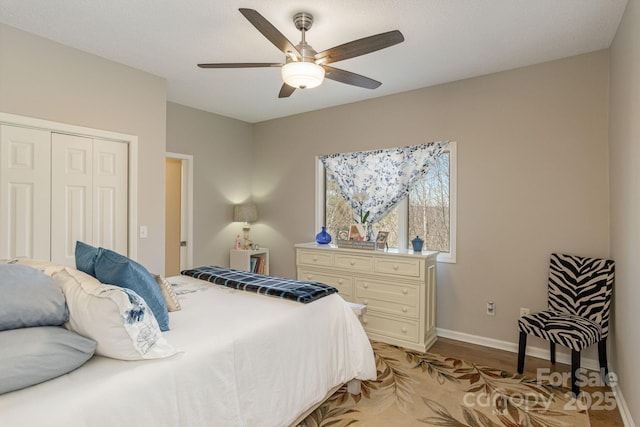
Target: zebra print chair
(579, 299)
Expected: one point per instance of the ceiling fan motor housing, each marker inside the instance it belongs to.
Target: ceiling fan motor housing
(303, 22)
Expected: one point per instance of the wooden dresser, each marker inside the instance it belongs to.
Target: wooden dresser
(398, 289)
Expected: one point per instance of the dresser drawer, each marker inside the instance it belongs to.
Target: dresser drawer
(362, 264)
(406, 330)
(399, 266)
(344, 284)
(315, 258)
(408, 310)
(407, 294)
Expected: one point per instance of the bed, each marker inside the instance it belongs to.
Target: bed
(241, 359)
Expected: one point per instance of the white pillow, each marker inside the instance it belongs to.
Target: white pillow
(116, 318)
(47, 267)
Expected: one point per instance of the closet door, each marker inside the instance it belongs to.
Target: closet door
(25, 171)
(71, 195)
(89, 195)
(110, 195)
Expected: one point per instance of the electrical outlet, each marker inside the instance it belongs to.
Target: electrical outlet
(523, 311)
(491, 308)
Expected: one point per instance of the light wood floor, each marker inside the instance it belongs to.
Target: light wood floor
(507, 361)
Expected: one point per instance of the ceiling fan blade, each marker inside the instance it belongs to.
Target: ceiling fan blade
(359, 47)
(270, 32)
(240, 65)
(350, 78)
(286, 91)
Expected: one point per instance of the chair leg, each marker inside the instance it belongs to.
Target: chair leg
(552, 351)
(602, 355)
(521, 350)
(575, 369)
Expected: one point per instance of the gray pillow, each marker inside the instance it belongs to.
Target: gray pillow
(30, 356)
(28, 298)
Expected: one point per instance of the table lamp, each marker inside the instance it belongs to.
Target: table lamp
(247, 212)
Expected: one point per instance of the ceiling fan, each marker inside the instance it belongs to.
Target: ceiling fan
(306, 68)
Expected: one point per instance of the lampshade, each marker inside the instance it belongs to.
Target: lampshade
(302, 75)
(247, 212)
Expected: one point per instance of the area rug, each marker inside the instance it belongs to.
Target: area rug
(423, 389)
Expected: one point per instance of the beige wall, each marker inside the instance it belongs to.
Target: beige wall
(221, 149)
(624, 140)
(46, 80)
(532, 178)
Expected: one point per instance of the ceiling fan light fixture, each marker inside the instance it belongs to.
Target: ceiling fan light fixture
(302, 75)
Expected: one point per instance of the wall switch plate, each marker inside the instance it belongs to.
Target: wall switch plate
(144, 232)
(523, 311)
(491, 308)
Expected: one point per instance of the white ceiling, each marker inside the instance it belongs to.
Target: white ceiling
(445, 40)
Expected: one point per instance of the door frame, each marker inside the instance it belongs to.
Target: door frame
(187, 206)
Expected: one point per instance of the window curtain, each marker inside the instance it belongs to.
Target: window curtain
(376, 181)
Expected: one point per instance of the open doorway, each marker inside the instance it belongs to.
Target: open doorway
(178, 213)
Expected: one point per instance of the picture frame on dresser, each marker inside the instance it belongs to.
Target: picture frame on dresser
(356, 232)
(343, 234)
(381, 239)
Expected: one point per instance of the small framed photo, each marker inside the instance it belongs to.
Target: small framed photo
(381, 239)
(343, 234)
(356, 232)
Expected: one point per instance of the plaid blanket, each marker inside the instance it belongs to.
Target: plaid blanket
(295, 290)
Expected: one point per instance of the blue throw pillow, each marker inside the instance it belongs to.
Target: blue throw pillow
(29, 298)
(115, 269)
(86, 258)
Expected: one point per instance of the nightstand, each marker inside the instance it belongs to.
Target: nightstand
(255, 261)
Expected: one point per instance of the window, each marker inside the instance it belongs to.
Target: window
(429, 210)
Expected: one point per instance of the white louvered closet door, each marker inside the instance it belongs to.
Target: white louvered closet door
(88, 195)
(25, 173)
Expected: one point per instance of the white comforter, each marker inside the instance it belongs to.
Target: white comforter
(244, 360)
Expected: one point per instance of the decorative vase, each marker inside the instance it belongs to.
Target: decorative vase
(417, 244)
(323, 238)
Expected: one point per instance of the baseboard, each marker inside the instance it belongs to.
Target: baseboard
(542, 353)
(622, 406)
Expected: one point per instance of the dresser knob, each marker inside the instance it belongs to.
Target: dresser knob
(315, 258)
(308, 277)
(405, 291)
(341, 281)
(404, 309)
(395, 266)
(404, 329)
(352, 262)
(366, 302)
(364, 320)
(366, 285)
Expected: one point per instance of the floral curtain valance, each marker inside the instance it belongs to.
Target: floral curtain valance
(375, 181)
